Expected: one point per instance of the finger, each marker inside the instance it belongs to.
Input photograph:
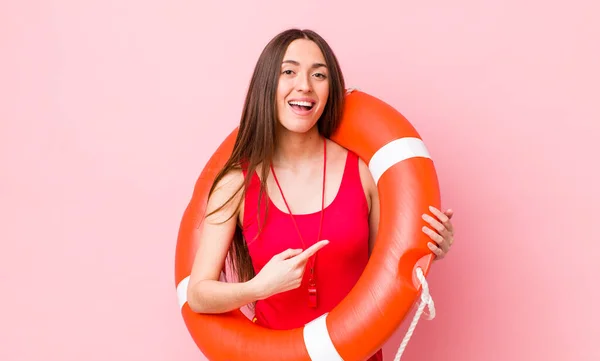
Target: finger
(442, 217)
(435, 224)
(288, 253)
(436, 212)
(304, 256)
(436, 238)
(449, 226)
(439, 254)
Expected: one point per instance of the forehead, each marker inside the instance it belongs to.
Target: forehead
(304, 51)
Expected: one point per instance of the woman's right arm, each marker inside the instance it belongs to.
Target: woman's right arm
(206, 294)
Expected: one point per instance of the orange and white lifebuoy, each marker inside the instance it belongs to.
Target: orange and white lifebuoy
(390, 284)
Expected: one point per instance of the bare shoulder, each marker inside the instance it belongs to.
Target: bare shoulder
(230, 180)
(366, 178)
(226, 199)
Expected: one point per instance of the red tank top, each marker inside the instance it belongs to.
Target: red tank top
(338, 265)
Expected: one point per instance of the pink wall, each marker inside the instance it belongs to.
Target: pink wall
(109, 110)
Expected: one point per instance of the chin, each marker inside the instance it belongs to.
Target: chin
(298, 126)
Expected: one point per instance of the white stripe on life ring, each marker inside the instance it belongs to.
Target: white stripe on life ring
(182, 291)
(317, 341)
(395, 152)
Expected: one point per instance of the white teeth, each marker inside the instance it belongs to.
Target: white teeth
(305, 104)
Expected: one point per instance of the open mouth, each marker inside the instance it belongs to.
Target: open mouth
(301, 105)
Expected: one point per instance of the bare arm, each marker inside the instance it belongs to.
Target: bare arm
(206, 294)
(370, 189)
(441, 231)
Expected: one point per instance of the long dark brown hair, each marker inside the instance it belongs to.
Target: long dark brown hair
(256, 138)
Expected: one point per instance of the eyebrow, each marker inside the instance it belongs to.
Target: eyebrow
(314, 66)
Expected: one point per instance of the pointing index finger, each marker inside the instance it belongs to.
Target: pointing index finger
(311, 250)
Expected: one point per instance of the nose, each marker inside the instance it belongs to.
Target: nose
(303, 83)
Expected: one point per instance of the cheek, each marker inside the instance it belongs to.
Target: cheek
(324, 92)
(280, 92)
(323, 97)
(282, 87)
(280, 103)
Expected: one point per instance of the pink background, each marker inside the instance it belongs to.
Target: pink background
(109, 110)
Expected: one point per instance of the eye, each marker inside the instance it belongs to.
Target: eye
(287, 72)
(321, 75)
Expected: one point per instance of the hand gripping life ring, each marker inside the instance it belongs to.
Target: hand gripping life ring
(390, 284)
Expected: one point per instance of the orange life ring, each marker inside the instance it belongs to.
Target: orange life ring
(360, 325)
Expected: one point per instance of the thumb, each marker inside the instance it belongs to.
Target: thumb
(449, 213)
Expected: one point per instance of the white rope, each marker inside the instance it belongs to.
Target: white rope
(426, 300)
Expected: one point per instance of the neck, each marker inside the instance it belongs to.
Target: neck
(293, 149)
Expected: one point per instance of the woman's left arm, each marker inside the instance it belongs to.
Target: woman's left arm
(370, 189)
(441, 230)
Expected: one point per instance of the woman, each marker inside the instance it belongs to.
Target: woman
(290, 200)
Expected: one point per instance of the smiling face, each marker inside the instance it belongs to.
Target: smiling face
(303, 87)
